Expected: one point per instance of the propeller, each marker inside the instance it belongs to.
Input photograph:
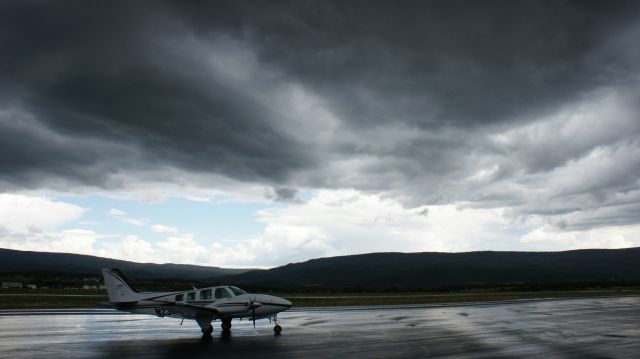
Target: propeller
(254, 305)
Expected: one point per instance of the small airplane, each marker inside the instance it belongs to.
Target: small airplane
(204, 305)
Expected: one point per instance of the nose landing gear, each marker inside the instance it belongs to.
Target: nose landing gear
(277, 329)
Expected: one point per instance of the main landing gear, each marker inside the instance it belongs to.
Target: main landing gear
(208, 330)
(205, 325)
(226, 327)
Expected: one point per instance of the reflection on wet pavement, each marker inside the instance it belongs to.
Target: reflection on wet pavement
(577, 328)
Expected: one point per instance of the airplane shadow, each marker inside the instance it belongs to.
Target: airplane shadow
(203, 347)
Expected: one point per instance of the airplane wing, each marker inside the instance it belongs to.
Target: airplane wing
(210, 310)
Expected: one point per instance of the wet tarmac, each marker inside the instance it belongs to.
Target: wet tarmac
(575, 328)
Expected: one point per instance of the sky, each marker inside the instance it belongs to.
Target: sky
(260, 133)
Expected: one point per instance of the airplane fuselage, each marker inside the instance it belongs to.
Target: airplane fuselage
(203, 305)
(239, 306)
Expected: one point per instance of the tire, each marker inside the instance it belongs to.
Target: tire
(208, 331)
(277, 329)
(226, 326)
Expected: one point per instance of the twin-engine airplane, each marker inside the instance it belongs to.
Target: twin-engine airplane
(204, 305)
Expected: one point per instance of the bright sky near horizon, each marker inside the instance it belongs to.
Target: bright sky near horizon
(247, 134)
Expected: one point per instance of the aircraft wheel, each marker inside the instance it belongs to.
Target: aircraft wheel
(277, 329)
(226, 326)
(207, 331)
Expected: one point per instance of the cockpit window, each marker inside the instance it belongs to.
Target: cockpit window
(237, 291)
(222, 293)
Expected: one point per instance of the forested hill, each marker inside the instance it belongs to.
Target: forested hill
(438, 270)
(12, 261)
(368, 271)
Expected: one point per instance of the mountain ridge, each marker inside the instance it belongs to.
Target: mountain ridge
(421, 270)
(442, 269)
(29, 262)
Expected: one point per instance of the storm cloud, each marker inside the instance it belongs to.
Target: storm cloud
(526, 105)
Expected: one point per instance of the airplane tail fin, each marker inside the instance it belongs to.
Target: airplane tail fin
(118, 287)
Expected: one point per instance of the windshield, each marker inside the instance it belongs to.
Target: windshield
(237, 291)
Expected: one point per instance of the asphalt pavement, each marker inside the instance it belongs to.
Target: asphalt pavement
(569, 328)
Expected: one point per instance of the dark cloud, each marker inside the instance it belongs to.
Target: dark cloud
(431, 64)
(283, 194)
(494, 104)
(91, 73)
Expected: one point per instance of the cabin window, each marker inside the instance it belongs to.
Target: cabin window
(191, 296)
(180, 298)
(222, 293)
(205, 294)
